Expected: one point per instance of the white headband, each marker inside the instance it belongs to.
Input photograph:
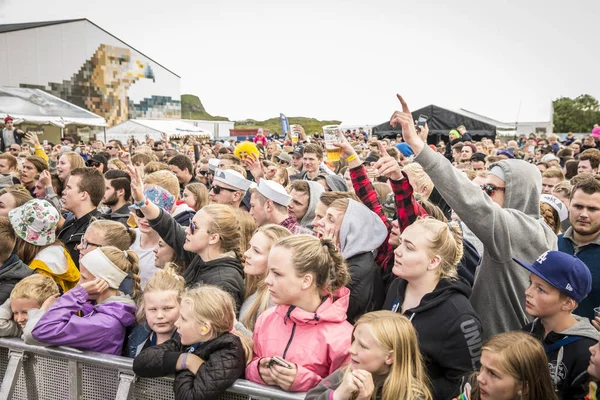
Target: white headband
(101, 267)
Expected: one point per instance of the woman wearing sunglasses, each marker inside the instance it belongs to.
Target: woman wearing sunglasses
(210, 245)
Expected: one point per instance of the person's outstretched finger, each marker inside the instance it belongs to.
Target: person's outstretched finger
(382, 149)
(404, 105)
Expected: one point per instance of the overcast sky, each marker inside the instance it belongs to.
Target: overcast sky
(334, 59)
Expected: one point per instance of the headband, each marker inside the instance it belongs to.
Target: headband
(101, 267)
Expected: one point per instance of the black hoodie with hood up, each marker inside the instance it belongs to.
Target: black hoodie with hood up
(449, 332)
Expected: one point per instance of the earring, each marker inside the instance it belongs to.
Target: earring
(204, 329)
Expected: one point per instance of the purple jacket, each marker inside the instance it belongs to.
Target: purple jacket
(100, 328)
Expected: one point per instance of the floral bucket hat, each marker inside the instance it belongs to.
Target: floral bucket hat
(35, 222)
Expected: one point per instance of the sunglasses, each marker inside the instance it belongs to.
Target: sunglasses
(194, 228)
(490, 189)
(203, 173)
(93, 164)
(139, 213)
(85, 244)
(15, 150)
(217, 189)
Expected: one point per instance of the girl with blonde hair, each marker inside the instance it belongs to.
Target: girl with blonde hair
(206, 357)
(158, 310)
(195, 195)
(73, 320)
(67, 162)
(514, 366)
(115, 163)
(428, 292)
(307, 279)
(385, 363)
(12, 197)
(255, 268)
(247, 228)
(210, 245)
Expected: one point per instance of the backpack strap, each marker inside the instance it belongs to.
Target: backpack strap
(561, 343)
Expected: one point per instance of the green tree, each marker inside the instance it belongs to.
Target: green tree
(576, 115)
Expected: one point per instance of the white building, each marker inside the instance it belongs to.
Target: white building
(219, 129)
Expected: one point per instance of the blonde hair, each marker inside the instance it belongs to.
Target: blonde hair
(117, 163)
(394, 333)
(166, 180)
(553, 172)
(155, 166)
(237, 168)
(319, 258)
(382, 189)
(36, 287)
(19, 193)
(199, 190)
(419, 177)
(114, 233)
(522, 357)
(446, 242)
(129, 264)
(164, 280)
(215, 306)
(75, 160)
(550, 216)
(256, 284)
(247, 228)
(224, 222)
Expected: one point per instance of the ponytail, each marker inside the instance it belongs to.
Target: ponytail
(319, 258)
(446, 242)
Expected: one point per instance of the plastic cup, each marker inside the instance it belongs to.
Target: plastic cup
(330, 134)
(294, 134)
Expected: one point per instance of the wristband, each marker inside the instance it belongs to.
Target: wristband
(183, 359)
(141, 203)
(352, 158)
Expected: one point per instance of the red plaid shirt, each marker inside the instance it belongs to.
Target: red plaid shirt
(407, 207)
(292, 224)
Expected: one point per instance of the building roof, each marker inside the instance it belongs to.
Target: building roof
(5, 28)
(170, 127)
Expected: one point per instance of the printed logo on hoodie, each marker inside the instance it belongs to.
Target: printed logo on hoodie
(473, 338)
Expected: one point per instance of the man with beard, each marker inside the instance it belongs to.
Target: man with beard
(582, 239)
(116, 195)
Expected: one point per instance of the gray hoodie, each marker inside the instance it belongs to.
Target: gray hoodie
(361, 231)
(315, 190)
(516, 231)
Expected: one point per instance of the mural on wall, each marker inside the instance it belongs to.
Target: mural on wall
(101, 86)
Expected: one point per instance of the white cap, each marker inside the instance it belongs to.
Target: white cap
(550, 157)
(232, 178)
(213, 163)
(273, 191)
(559, 206)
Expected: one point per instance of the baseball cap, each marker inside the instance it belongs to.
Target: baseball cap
(565, 272)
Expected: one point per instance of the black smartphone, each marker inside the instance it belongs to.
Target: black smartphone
(421, 121)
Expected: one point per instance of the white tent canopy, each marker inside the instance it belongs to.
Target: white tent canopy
(38, 107)
(139, 128)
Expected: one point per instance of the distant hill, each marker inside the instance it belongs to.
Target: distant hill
(192, 108)
(310, 125)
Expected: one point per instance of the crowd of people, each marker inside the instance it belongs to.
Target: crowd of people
(359, 268)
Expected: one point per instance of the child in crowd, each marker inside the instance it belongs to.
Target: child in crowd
(157, 312)
(428, 292)
(385, 363)
(35, 224)
(559, 281)
(74, 321)
(12, 270)
(513, 366)
(206, 357)
(258, 298)
(26, 298)
(306, 337)
(594, 372)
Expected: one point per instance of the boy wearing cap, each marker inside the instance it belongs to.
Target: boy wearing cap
(560, 281)
(10, 135)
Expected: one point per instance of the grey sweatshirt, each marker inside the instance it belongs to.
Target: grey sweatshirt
(516, 230)
(316, 189)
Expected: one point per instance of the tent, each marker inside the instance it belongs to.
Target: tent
(441, 121)
(139, 128)
(38, 107)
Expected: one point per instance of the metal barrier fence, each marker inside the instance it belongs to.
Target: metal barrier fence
(50, 373)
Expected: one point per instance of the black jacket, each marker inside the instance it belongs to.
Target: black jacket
(571, 376)
(224, 363)
(72, 232)
(17, 134)
(225, 272)
(11, 272)
(449, 333)
(366, 286)
(121, 215)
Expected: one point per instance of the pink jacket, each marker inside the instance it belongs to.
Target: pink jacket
(318, 343)
(261, 139)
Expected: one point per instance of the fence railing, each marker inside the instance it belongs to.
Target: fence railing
(51, 373)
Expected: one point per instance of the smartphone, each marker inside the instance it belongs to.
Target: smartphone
(279, 361)
(421, 121)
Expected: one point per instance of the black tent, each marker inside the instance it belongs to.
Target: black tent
(440, 122)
